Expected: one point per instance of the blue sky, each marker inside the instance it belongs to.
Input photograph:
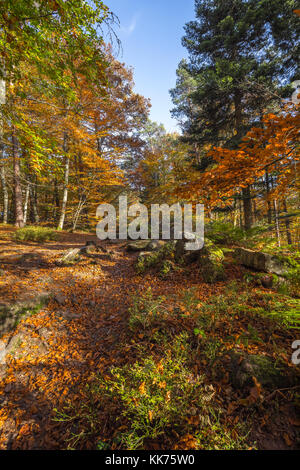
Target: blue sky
(151, 32)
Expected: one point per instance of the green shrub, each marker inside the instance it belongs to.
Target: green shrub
(157, 396)
(35, 234)
(216, 436)
(146, 310)
(224, 233)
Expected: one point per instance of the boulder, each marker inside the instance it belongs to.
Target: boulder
(245, 366)
(210, 260)
(70, 257)
(139, 245)
(144, 254)
(155, 245)
(73, 255)
(261, 261)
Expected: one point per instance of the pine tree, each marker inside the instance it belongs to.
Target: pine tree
(243, 61)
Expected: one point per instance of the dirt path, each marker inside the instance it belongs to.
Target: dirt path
(58, 351)
(83, 332)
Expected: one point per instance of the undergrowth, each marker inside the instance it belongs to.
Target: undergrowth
(35, 234)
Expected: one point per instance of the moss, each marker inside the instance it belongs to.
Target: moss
(148, 260)
(267, 372)
(211, 263)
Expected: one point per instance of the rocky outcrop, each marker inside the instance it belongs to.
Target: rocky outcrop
(261, 261)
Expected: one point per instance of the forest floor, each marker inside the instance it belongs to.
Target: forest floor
(58, 389)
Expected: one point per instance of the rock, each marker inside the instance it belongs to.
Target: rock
(144, 254)
(14, 343)
(70, 257)
(155, 245)
(210, 261)
(264, 369)
(60, 299)
(89, 249)
(90, 243)
(44, 333)
(2, 352)
(179, 250)
(181, 254)
(139, 245)
(261, 261)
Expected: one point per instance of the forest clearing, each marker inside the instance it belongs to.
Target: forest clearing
(141, 343)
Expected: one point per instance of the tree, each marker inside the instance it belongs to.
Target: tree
(242, 62)
(45, 36)
(269, 150)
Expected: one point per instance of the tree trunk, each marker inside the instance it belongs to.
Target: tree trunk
(19, 218)
(287, 224)
(55, 201)
(66, 182)
(277, 228)
(268, 202)
(33, 201)
(246, 193)
(26, 203)
(4, 185)
(78, 211)
(2, 175)
(5, 194)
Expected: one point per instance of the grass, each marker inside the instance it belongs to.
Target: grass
(157, 396)
(146, 310)
(160, 394)
(154, 398)
(35, 234)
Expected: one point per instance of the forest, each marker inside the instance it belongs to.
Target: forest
(141, 344)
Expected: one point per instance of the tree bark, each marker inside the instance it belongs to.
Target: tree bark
(246, 193)
(19, 218)
(277, 228)
(268, 202)
(33, 201)
(55, 201)
(26, 203)
(287, 224)
(66, 182)
(2, 174)
(4, 185)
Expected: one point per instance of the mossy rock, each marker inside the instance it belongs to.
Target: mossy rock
(155, 245)
(139, 245)
(155, 259)
(267, 372)
(212, 272)
(211, 260)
